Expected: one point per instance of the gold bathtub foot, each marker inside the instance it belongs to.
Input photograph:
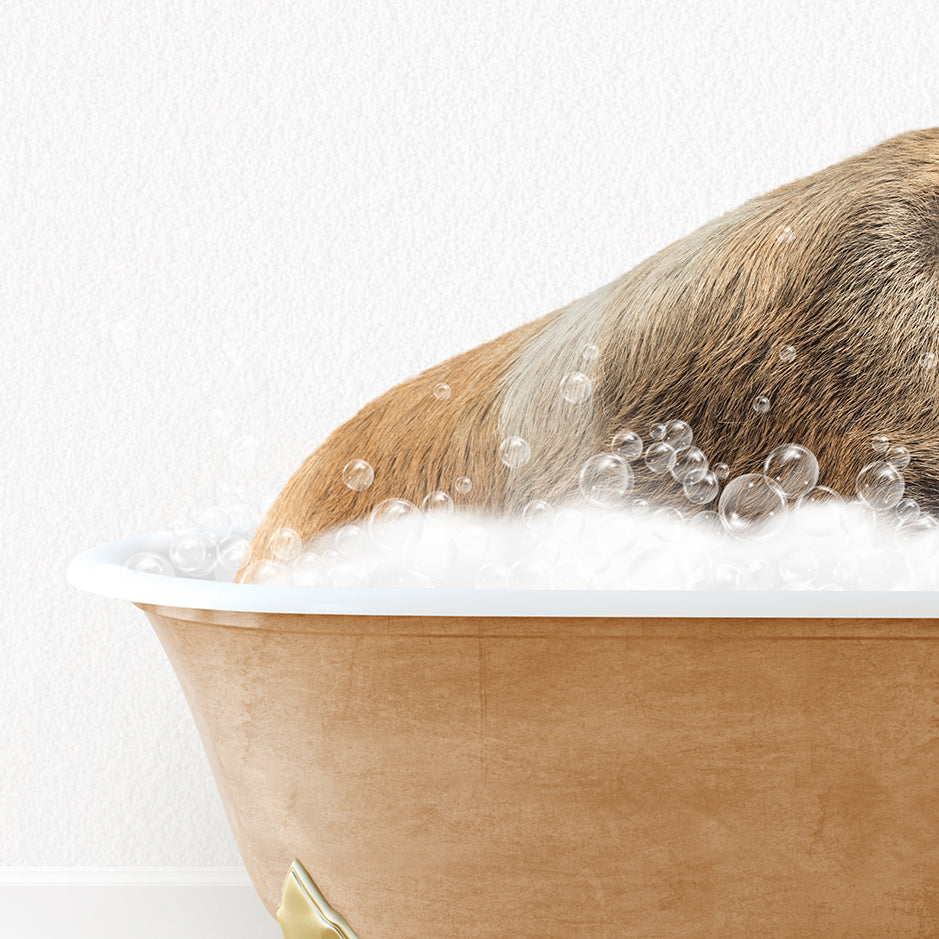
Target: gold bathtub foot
(304, 913)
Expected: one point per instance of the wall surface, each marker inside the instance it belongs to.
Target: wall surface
(226, 226)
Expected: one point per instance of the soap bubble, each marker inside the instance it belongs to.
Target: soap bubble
(150, 562)
(761, 404)
(606, 479)
(308, 569)
(880, 443)
(689, 462)
(628, 445)
(877, 569)
(590, 354)
(441, 391)
(463, 485)
(912, 529)
(752, 506)
(348, 575)
(907, 510)
(514, 452)
(759, 574)
(928, 360)
(820, 511)
(395, 524)
(358, 475)
(678, 435)
(349, 540)
(284, 544)
(880, 485)
(268, 572)
(494, 577)
(721, 471)
(568, 524)
(899, 457)
(666, 524)
(657, 431)
(576, 387)
(189, 552)
(434, 553)
(657, 569)
(538, 515)
(660, 457)
(787, 353)
(232, 553)
(474, 540)
(793, 468)
(707, 522)
(700, 488)
(798, 566)
(783, 235)
(437, 505)
(531, 574)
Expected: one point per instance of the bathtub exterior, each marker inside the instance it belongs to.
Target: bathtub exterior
(448, 777)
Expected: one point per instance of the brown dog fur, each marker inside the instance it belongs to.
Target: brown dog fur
(693, 332)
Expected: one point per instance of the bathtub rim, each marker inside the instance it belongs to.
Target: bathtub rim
(100, 570)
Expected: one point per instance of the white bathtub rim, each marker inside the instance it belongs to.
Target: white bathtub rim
(101, 570)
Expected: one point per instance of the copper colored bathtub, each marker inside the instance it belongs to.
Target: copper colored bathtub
(541, 764)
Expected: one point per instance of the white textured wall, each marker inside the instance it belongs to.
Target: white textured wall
(280, 209)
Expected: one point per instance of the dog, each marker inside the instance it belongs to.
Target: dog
(839, 269)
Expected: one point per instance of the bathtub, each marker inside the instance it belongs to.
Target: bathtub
(442, 764)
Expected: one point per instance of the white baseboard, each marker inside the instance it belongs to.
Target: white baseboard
(143, 902)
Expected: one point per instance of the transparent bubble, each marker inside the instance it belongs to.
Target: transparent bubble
(349, 541)
(657, 569)
(798, 566)
(284, 544)
(880, 443)
(189, 552)
(820, 511)
(233, 553)
(707, 522)
(437, 505)
(531, 574)
(913, 529)
(358, 475)
(666, 524)
(569, 524)
(348, 574)
(678, 435)
(761, 404)
(309, 569)
(783, 235)
(928, 360)
(907, 510)
(243, 517)
(213, 520)
(690, 462)
(793, 468)
(441, 391)
(660, 457)
(395, 524)
(701, 488)
(877, 569)
(150, 562)
(752, 506)
(657, 432)
(590, 354)
(628, 445)
(880, 485)
(538, 515)
(759, 574)
(899, 457)
(514, 452)
(721, 471)
(473, 541)
(787, 353)
(576, 387)
(434, 554)
(463, 485)
(268, 572)
(494, 577)
(606, 480)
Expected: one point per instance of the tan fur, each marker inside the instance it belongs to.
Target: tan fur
(693, 333)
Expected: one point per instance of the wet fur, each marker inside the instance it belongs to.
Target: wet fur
(693, 332)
